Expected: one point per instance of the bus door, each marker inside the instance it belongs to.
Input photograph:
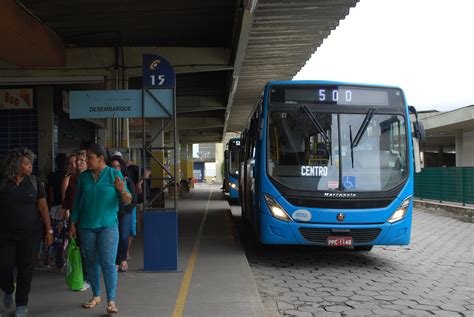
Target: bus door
(225, 187)
(251, 170)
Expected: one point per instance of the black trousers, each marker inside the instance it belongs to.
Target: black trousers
(18, 250)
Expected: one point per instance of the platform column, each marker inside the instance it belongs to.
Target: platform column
(46, 133)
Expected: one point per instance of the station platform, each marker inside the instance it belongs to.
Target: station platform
(220, 283)
(465, 212)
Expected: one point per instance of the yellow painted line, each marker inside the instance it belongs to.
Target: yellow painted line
(183, 291)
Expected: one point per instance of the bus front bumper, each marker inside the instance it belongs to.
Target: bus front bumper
(274, 231)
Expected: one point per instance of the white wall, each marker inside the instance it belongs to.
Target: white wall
(210, 169)
(468, 149)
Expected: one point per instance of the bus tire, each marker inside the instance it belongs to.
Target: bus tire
(363, 248)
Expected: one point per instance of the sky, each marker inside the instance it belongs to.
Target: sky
(425, 47)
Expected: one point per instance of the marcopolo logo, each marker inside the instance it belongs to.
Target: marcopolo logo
(302, 214)
(340, 195)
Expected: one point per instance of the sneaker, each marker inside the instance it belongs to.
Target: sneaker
(85, 286)
(21, 311)
(8, 300)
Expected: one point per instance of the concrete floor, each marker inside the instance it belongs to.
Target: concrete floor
(222, 283)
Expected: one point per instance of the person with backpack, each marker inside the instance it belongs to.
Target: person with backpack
(125, 214)
(133, 172)
(54, 199)
(22, 203)
(55, 180)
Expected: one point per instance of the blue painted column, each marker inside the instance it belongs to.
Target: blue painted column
(161, 241)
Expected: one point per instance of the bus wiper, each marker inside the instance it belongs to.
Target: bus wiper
(352, 147)
(316, 123)
(363, 127)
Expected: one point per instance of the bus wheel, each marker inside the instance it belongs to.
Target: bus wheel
(363, 248)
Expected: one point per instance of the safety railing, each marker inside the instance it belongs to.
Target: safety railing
(446, 184)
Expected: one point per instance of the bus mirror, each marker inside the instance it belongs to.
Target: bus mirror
(419, 131)
(416, 155)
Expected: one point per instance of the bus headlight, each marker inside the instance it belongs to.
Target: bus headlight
(276, 210)
(233, 185)
(401, 211)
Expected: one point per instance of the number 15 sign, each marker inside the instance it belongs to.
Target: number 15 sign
(157, 72)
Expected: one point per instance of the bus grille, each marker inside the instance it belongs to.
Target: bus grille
(320, 235)
(339, 203)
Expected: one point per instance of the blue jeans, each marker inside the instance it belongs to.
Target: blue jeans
(100, 247)
(133, 228)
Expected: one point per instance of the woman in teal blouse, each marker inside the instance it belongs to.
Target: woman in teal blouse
(96, 204)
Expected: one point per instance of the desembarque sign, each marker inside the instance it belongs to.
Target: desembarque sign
(120, 103)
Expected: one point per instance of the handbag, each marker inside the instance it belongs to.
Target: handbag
(74, 274)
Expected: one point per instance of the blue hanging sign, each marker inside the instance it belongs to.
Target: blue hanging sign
(120, 104)
(157, 72)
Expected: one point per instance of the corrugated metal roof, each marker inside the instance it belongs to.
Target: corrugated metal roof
(283, 37)
(92, 23)
(272, 44)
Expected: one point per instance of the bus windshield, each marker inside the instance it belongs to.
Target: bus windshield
(234, 157)
(303, 150)
(234, 161)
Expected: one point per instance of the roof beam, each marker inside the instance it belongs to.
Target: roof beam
(199, 109)
(199, 123)
(26, 42)
(245, 28)
(197, 138)
(99, 61)
(198, 102)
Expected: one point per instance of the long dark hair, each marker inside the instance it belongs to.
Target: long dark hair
(99, 150)
(61, 160)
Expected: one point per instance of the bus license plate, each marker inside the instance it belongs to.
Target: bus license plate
(334, 241)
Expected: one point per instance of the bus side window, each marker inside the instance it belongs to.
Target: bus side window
(391, 144)
(245, 148)
(253, 135)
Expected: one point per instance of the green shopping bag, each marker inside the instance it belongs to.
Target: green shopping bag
(74, 276)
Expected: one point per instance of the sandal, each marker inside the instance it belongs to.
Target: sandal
(111, 308)
(94, 301)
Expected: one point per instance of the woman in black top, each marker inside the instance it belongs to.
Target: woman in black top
(22, 202)
(125, 215)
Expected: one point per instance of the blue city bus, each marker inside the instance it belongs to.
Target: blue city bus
(330, 164)
(232, 169)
